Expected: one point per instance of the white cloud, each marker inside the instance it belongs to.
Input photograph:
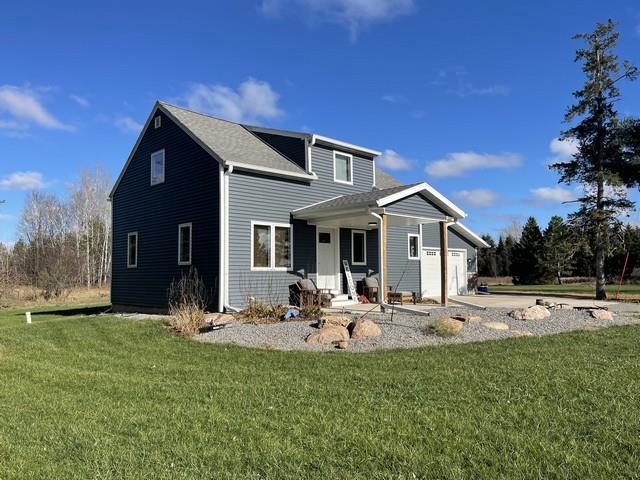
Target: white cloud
(128, 125)
(25, 110)
(553, 194)
(83, 102)
(391, 160)
(5, 216)
(457, 80)
(22, 181)
(468, 90)
(479, 198)
(458, 163)
(355, 15)
(563, 150)
(393, 98)
(252, 102)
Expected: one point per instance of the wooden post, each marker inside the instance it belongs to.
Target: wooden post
(384, 267)
(444, 256)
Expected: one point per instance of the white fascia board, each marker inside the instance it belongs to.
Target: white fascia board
(272, 171)
(316, 204)
(430, 191)
(338, 143)
(473, 237)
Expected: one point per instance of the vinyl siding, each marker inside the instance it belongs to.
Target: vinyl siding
(358, 272)
(416, 206)
(259, 198)
(404, 274)
(291, 147)
(189, 194)
(431, 238)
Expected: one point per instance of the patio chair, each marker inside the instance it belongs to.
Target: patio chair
(401, 297)
(309, 294)
(371, 289)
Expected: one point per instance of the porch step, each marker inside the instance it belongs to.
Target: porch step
(341, 297)
(342, 303)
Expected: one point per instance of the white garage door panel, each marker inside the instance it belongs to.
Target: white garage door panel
(430, 272)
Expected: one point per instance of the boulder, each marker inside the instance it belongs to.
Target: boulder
(218, 318)
(362, 329)
(332, 320)
(343, 345)
(328, 335)
(523, 333)
(600, 314)
(448, 327)
(537, 312)
(496, 325)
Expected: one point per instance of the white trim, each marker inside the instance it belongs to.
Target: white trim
(374, 173)
(157, 121)
(157, 182)
(418, 249)
(381, 280)
(129, 235)
(364, 236)
(272, 246)
(180, 227)
(280, 173)
(473, 237)
(335, 235)
(221, 246)
(316, 203)
(350, 182)
(332, 141)
(417, 189)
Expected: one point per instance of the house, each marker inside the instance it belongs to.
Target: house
(254, 209)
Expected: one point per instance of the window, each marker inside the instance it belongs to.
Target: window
(157, 122)
(358, 247)
(157, 167)
(324, 237)
(343, 168)
(271, 246)
(132, 250)
(414, 246)
(184, 244)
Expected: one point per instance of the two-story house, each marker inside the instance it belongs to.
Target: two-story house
(254, 209)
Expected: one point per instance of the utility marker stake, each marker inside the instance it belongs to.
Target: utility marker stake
(28, 315)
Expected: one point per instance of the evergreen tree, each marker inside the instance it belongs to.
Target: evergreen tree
(608, 149)
(487, 265)
(526, 266)
(558, 250)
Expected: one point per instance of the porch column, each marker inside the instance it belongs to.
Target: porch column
(382, 294)
(444, 256)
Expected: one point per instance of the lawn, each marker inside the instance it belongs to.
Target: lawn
(626, 291)
(105, 397)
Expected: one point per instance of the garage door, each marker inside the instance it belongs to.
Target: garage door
(430, 272)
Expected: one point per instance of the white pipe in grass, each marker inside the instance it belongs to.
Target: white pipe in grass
(28, 315)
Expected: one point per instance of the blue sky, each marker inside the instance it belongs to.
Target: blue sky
(467, 96)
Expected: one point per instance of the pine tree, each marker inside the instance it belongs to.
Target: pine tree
(608, 151)
(558, 250)
(487, 265)
(526, 264)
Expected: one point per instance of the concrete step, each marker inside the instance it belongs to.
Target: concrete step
(342, 303)
(340, 297)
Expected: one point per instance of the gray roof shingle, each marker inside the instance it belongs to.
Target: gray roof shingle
(384, 180)
(232, 142)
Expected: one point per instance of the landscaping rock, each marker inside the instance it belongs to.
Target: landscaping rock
(332, 320)
(537, 312)
(343, 345)
(328, 335)
(363, 328)
(523, 333)
(466, 318)
(496, 325)
(448, 327)
(600, 314)
(218, 318)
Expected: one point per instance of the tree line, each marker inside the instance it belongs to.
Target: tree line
(63, 242)
(562, 249)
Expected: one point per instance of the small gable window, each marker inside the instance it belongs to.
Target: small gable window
(132, 250)
(157, 167)
(157, 122)
(414, 247)
(358, 247)
(184, 244)
(343, 168)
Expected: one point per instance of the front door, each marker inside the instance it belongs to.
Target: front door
(327, 242)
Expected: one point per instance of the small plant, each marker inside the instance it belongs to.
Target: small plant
(187, 303)
(447, 327)
(260, 313)
(312, 312)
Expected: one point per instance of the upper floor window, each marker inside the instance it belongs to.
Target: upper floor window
(358, 247)
(271, 246)
(414, 246)
(343, 168)
(157, 122)
(184, 244)
(157, 167)
(132, 250)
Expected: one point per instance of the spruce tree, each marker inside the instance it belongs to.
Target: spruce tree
(526, 265)
(558, 250)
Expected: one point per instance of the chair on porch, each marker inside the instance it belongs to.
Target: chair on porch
(309, 294)
(371, 289)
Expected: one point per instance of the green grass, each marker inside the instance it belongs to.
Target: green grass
(104, 397)
(580, 288)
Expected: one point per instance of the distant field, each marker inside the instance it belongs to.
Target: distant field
(627, 292)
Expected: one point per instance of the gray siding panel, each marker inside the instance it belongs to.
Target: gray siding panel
(431, 238)
(404, 274)
(418, 206)
(260, 198)
(190, 193)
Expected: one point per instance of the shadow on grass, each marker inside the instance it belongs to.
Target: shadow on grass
(73, 311)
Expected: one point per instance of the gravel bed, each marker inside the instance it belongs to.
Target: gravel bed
(409, 331)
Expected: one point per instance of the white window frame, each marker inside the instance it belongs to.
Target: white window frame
(129, 235)
(364, 236)
(418, 249)
(157, 182)
(157, 121)
(337, 152)
(272, 247)
(180, 227)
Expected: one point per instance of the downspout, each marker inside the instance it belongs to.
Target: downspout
(383, 280)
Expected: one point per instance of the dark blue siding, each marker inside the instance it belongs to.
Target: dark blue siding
(190, 193)
(358, 271)
(291, 147)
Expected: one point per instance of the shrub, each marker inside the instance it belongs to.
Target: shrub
(187, 303)
(313, 312)
(260, 313)
(447, 327)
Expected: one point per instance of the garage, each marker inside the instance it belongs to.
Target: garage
(430, 272)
